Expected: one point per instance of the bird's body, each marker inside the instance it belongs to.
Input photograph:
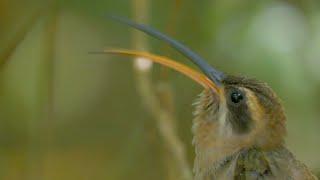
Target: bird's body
(239, 125)
(256, 164)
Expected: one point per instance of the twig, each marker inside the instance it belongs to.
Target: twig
(19, 36)
(163, 116)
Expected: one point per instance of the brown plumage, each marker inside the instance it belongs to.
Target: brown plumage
(243, 140)
(239, 124)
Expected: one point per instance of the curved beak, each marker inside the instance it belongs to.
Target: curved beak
(213, 74)
(198, 77)
(211, 77)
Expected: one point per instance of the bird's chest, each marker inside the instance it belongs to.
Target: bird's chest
(247, 165)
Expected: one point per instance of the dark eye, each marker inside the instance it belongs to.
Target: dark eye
(236, 97)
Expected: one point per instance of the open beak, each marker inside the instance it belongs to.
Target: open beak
(210, 78)
(198, 77)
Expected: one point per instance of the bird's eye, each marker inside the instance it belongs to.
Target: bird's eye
(236, 97)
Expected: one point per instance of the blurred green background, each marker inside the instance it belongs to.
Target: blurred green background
(68, 114)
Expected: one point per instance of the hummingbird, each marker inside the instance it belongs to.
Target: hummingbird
(239, 124)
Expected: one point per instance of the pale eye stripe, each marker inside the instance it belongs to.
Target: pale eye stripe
(253, 104)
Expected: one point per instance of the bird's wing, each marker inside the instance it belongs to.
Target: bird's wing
(283, 163)
(255, 164)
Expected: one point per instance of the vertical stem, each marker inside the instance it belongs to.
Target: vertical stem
(41, 126)
(48, 111)
(170, 29)
(163, 116)
(141, 14)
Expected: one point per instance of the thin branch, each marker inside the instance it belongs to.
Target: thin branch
(20, 34)
(165, 122)
(162, 114)
(48, 110)
(170, 29)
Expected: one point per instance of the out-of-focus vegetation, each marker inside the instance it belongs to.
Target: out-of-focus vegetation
(67, 114)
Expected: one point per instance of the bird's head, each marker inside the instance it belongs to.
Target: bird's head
(232, 112)
(244, 113)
